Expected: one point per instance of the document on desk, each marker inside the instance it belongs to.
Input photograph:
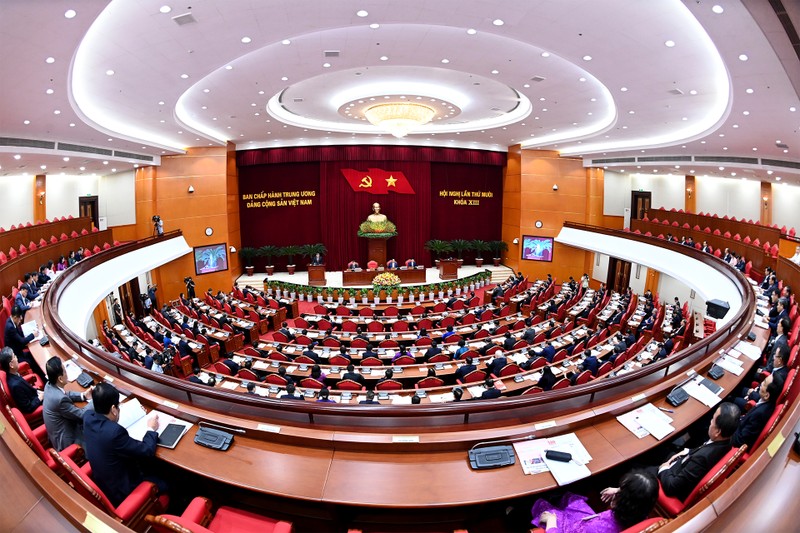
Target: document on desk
(567, 472)
(138, 429)
(701, 393)
(647, 420)
(750, 350)
(531, 452)
(72, 369)
(29, 328)
(734, 366)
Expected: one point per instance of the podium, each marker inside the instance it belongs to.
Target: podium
(316, 275)
(448, 269)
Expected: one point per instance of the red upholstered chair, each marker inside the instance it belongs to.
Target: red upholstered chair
(583, 377)
(301, 323)
(87, 252)
(509, 370)
(106, 246)
(737, 237)
(777, 414)
(418, 310)
(275, 379)
(561, 384)
(375, 326)
(358, 343)
(473, 377)
(349, 384)
(441, 307)
(74, 234)
(35, 438)
(331, 342)
(311, 383)
(388, 343)
(222, 368)
(404, 360)
(424, 341)
(372, 265)
(756, 242)
(747, 239)
(302, 340)
(389, 384)
(12, 253)
(131, 512)
(560, 356)
(439, 358)
(391, 311)
(400, 325)
(32, 246)
(366, 311)
(279, 337)
(696, 227)
(42, 243)
(371, 361)
(673, 506)
(35, 417)
(349, 325)
(246, 373)
(197, 518)
(304, 360)
(429, 383)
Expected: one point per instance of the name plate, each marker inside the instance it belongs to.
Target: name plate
(109, 379)
(170, 404)
(269, 428)
(405, 438)
(545, 425)
(638, 397)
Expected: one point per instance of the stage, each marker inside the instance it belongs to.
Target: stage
(336, 279)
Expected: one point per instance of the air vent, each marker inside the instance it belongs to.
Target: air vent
(85, 149)
(676, 92)
(332, 53)
(182, 20)
(779, 163)
(495, 109)
(782, 145)
(723, 159)
(613, 160)
(27, 143)
(537, 79)
(298, 100)
(665, 158)
(131, 155)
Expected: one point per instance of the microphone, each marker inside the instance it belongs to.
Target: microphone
(517, 439)
(219, 426)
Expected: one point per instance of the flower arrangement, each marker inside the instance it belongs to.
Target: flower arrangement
(385, 281)
(372, 230)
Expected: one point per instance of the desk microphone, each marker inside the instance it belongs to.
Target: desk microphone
(219, 426)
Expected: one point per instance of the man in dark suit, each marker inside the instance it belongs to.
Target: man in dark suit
(491, 391)
(783, 312)
(22, 301)
(529, 335)
(498, 363)
(509, 341)
(62, 418)
(18, 342)
(316, 260)
(411, 263)
(751, 424)
(370, 399)
(432, 351)
(26, 398)
(352, 375)
(291, 393)
(781, 342)
(465, 369)
(285, 330)
(111, 452)
(310, 353)
(29, 282)
(590, 362)
(681, 473)
(497, 292)
(779, 370)
(369, 351)
(616, 318)
(548, 351)
(391, 264)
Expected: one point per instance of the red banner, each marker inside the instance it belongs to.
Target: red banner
(377, 181)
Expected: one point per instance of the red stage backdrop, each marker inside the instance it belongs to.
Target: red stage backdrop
(322, 194)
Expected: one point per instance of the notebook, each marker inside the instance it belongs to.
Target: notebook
(134, 418)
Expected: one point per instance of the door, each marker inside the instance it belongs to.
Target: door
(619, 274)
(640, 204)
(87, 207)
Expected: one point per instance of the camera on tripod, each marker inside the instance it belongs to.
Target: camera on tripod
(158, 225)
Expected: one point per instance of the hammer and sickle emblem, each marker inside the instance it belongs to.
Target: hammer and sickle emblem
(366, 181)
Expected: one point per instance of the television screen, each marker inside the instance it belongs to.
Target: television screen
(537, 248)
(211, 258)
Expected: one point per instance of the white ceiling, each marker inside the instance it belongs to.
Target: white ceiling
(608, 87)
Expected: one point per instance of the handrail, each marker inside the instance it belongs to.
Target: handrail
(501, 411)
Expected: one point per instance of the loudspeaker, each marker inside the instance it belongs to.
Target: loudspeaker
(717, 308)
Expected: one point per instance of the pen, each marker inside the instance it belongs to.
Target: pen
(666, 410)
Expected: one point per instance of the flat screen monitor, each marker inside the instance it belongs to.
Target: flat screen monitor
(211, 258)
(537, 248)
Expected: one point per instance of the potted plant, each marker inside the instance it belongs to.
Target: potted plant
(269, 251)
(247, 254)
(351, 295)
(310, 250)
(364, 296)
(289, 252)
(479, 246)
(459, 246)
(498, 247)
(438, 248)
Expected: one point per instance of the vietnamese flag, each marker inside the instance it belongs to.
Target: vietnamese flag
(377, 181)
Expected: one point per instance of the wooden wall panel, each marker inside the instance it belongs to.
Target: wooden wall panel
(39, 197)
(765, 200)
(612, 221)
(690, 194)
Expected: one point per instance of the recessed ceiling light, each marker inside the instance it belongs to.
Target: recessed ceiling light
(777, 178)
(735, 126)
(286, 41)
(717, 9)
(70, 13)
(374, 26)
(587, 58)
(65, 158)
(26, 122)
(50, 60)
(722, 135)
(43, 167)
(755, 149)
(82, 168)
(57, 112)
(743, 57)
(260, 92)
(545, 54)
(328, 65)
(623, 89)
(384, 58)
(792, 109)
(165, 9)
(749, 91)
(228, 67)
(581, 79)
(631, 112)
(71, 124)
(17, 157)
(471, 31)
(184, 76)
(527, 85)
(362, 13)
(498, 22)
(109, 72)
(669, 44)
(206, 90)
(721, 168)
(445, 61)
(49, 91)
(693, 92)
(745, 113)
(105, 162)
(284, 78)
(684, 118)
(161, 102)
(246, 40)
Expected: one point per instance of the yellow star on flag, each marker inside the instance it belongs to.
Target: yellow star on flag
(390, 181)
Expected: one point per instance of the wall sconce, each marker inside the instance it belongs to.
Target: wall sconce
(689, 192)
(515, 241)
(555, 186)
(191, 189)
(766, 200)
(233, 249)
(41, 198)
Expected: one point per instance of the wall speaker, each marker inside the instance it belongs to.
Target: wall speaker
(717, 308)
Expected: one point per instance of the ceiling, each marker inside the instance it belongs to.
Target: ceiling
(649, 87)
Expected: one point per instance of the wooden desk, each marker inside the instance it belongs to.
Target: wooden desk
(448, 269)
(316, 275)
(365, 277)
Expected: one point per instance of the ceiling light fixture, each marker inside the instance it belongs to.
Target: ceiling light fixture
(165, 9)
(246, 40)
(717, 9)
(362, 13)
(471, 31)
(498, 22)
(70, 13)
(399, 118)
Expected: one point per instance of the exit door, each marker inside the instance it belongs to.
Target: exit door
(87, 207)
